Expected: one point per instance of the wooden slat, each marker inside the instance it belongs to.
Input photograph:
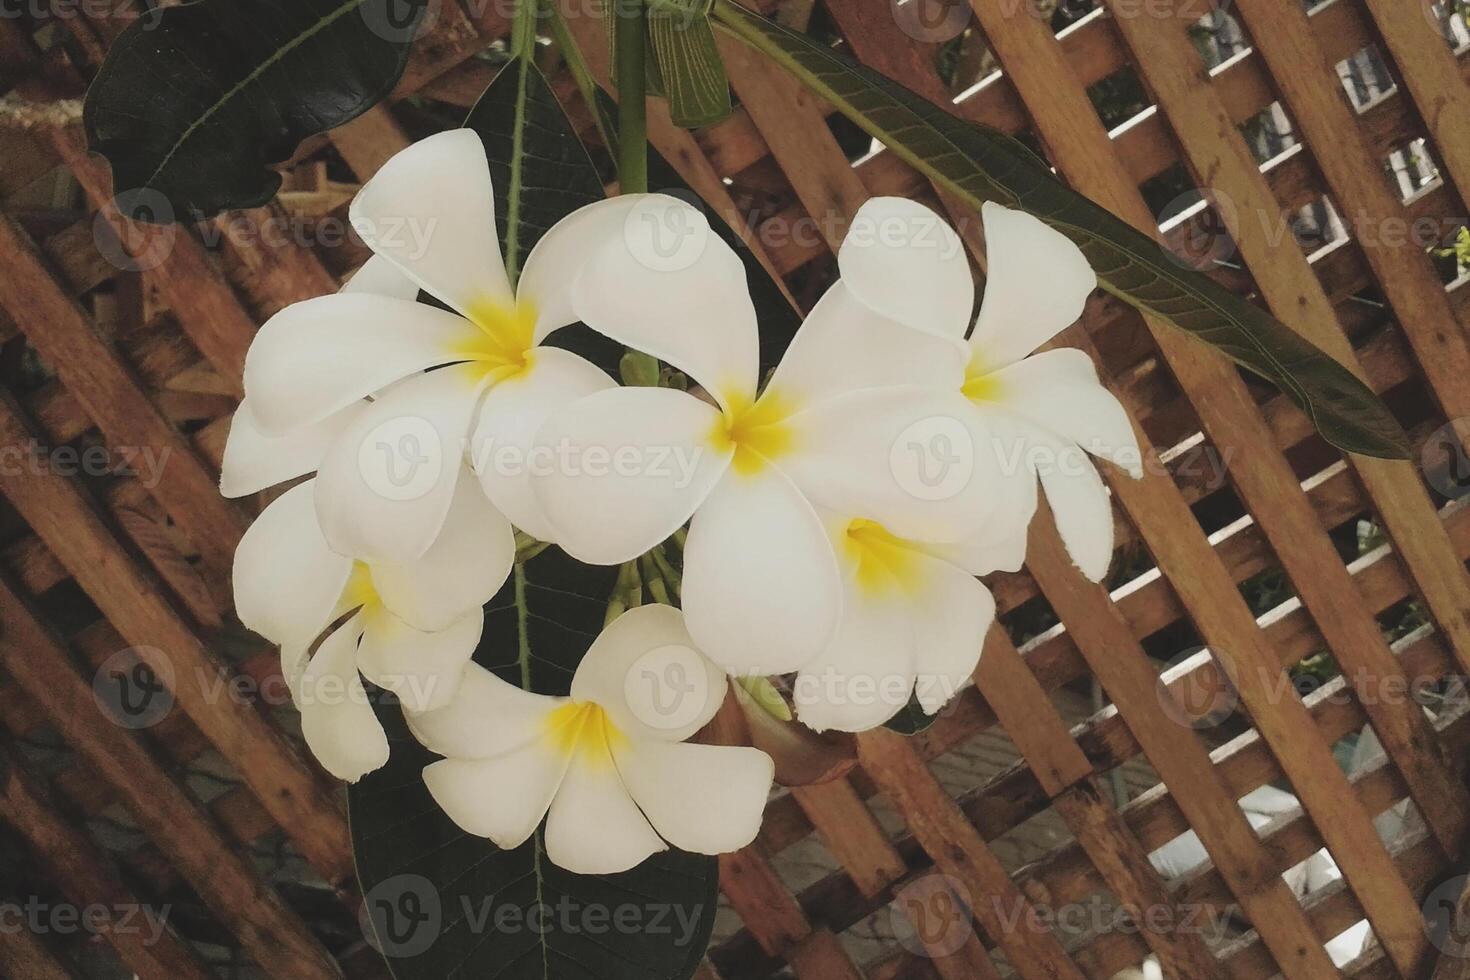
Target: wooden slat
(62, 334)
(1068, 125)
(272, 933)
(1171, 67)
(87, 878)
(127, 595)
(1428, 69)
(851, 834)
(25, 956)
(961, 853)
(1312, 93)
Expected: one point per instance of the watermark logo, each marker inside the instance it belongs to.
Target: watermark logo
(402, 916)
(931, 916)
(143, 238)
(134, 687)
(668, 687)
(933, 459)
(400, 21)
(1202, 237)
(664, 237)
(1441, 909)
(1195, 698)
(401, 459)
(931, 21)
(1446, 466)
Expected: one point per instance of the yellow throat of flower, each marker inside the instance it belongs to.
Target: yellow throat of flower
(886, 563)
(584, 728)
(758, 432)
(981, 384)
(503, 343)
(359, 592)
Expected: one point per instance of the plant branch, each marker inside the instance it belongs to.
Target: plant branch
(629, 70)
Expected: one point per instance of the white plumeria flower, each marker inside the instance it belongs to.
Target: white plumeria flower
(412, 626)
(913, 625)
(608, 767)
(1041, 410)
(761, 589)
(387, 481)
(416, 623)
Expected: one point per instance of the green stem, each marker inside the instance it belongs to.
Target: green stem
(523, 30)
(581, 72)
(630, 55)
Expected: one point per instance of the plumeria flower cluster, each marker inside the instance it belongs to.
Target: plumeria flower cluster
(839, 513)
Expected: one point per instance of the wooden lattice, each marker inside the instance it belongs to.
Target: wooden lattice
(133, 340)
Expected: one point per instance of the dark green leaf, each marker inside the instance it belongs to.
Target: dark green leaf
(195, 102)
(982, 164)
(682, 42)
(911, 720)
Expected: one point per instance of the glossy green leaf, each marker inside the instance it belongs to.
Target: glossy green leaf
(194, 103)
(439, 902)
(981, 164)
(692, 73)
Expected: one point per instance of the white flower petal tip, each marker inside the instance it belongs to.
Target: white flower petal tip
(254, 460)
(703, 322)
(607, 768)
(336, 718)
(905, 262)
(431, 211)
(286, 579)
(1037, 285)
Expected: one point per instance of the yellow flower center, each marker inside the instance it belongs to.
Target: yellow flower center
(503, 344)
(359, 592)
(885, 562)
(758, 432)
(981, 384)
(584, 728)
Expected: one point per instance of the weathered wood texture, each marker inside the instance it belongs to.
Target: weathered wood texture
(1249, 547)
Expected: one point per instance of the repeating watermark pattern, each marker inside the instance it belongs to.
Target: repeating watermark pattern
(33, 458)
(402, 458)
(142, 241)
(1441, 910)
(134, 687)
(1443, 458)
(667, 239)
(931, 916)
(668, 688)
(401, 21)
(933, 459)
(41, 918)
(931, 21)
(404, 916)
(1194, 698)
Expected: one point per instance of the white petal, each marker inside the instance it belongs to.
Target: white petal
(953, 612)
(866, 674)
(908, 457)
(552, 268)
(315, 358)
(1037, 284)
(503, 798)
(1000, 543)
(287, 581)
(843, 346)
(670, 287)
(336, 718)
(645, 672)
(706, 799)
(384, 490)
(423, 669)
(431, 210)
(380, 277)
(761, 590)
(510, 416)
(594, 827)
(624, 469)
(1059, 390)
(295, 655)
(1079, 502)
(905, 262)
(254, 460)
(485, 717)
(461, 571)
